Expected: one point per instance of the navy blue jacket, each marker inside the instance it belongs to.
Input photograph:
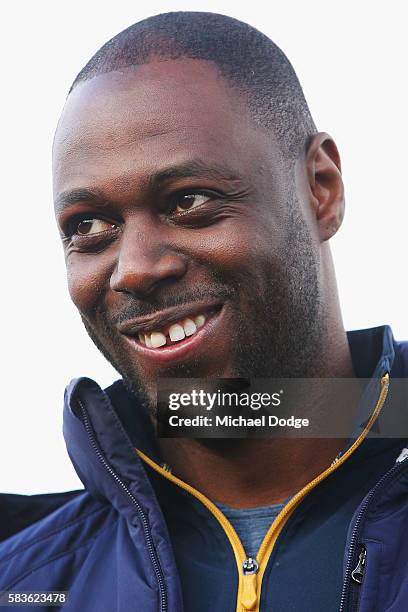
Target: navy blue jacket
(138, 539)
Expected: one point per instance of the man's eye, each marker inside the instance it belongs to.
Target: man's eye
(88, 227)
(188, 201)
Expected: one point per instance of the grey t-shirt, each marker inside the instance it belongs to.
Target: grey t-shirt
(251, 524)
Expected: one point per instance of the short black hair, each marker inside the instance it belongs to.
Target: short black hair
(246, 58)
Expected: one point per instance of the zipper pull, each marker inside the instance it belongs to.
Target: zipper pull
(249, 595)
(358, 572)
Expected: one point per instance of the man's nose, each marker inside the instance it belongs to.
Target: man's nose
(145, 262)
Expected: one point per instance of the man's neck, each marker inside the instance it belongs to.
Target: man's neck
(249, 473)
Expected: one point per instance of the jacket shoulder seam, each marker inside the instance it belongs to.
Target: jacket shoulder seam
(50, 534)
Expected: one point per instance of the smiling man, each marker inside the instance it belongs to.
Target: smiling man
(196, 200)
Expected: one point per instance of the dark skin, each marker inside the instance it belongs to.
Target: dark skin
(168, 197)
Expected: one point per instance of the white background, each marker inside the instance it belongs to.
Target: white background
(351, 58)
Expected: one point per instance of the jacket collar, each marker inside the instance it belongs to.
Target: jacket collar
(92, 429)
(372, 350)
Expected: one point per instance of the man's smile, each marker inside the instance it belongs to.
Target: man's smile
(174, 335)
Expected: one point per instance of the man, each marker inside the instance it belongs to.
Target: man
(195, 201)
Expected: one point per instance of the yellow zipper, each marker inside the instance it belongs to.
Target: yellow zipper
(250, 584)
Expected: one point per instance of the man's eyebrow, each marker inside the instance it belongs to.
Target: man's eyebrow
(71, 196)
(196, 167)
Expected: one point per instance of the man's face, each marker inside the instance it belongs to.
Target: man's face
(188, 244)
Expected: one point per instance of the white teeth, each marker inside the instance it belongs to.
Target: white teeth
(176, 332)
(158, 339)
(189, 327)
(200, 320)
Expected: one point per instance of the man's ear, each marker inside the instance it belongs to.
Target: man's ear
(326, 184)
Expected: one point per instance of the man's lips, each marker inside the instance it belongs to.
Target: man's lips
(169, 322)
(163, 318)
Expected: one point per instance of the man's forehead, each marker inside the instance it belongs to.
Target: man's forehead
(152, 116)
(148, 99)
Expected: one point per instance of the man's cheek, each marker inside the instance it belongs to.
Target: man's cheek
(86, 283)
(227, 245)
